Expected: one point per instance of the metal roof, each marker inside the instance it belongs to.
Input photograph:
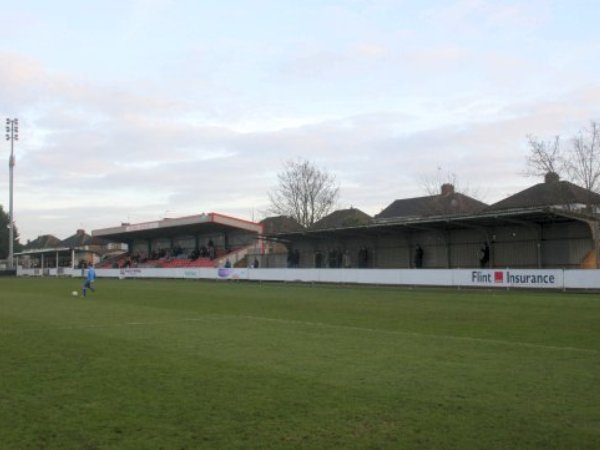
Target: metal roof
(39, 251)
(447, 222)
(201, 223)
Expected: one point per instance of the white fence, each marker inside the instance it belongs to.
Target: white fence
(493, 278)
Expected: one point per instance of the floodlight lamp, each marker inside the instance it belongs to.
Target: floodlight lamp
(16, 121)
(7, 121)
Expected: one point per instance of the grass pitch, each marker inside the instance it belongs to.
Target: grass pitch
(188, 364)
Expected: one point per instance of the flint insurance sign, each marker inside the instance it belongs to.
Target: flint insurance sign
(514, 278)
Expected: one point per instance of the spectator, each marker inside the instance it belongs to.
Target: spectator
(363, 257)
(419, 256)
(211, 249)
(484, 255)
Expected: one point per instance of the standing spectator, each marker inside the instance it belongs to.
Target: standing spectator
(363, 257)
(419, 256)
(484, 255)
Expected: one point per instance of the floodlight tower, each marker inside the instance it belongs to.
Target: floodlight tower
(12, 135)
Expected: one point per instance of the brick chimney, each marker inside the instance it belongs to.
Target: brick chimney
(447, 189)
(80, 232)
(551, 177)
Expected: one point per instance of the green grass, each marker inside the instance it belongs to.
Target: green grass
(188, 364)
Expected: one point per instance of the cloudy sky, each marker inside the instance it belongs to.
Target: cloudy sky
(135, 110)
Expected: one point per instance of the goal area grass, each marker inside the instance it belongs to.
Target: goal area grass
(222, 364)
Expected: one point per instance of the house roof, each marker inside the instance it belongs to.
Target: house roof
(44, 241)
(280, 224)
(343, 218)
(80, 239)
(447, 202)
(552, 192)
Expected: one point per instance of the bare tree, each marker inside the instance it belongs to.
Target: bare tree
(583, 166)
(446, 195)
(579, 162)
(433, 182)
(305, 192)
(544, 157)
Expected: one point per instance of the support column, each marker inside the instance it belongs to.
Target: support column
(446, 234)
(595, 233)
(594, 225)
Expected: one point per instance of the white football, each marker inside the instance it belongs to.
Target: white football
(74, 293)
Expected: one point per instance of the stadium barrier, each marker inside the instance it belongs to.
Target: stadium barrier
(493, 278)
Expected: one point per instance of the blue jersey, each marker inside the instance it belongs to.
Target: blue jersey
(91, 275)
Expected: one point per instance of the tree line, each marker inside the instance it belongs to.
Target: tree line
(5, 235)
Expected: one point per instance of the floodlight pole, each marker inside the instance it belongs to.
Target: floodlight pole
(12, 135)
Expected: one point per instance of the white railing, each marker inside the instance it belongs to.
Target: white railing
(234, 257)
